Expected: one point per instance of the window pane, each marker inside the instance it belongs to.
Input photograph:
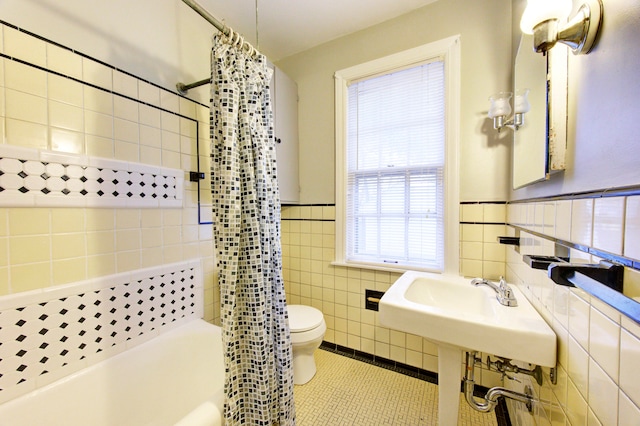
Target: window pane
(395, 168)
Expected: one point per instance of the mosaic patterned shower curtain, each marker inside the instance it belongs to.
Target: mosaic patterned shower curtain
(246, 206)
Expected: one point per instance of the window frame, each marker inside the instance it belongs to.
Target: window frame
(447, 49)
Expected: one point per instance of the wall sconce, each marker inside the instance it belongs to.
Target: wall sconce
(501, 108)
(547, 21)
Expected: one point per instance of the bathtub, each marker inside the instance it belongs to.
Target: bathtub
(175, 378)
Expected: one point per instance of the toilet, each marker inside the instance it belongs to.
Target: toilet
(307, 331)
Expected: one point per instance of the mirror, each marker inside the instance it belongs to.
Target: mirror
(539, 144)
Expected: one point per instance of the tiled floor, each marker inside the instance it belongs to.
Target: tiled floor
(346, 391)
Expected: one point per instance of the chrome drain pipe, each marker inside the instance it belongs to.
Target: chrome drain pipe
(491, 398)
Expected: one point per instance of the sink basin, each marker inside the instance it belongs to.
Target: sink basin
(449, 310)
(459, 316)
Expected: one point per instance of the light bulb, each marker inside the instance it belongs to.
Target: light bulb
(538, 11)
(521, 101)
(500, 105)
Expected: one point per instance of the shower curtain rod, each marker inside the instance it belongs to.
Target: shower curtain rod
(184, 88)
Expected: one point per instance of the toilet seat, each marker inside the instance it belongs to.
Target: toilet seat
(304, 318)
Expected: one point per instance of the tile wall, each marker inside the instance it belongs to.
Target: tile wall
(308, 244)
(480, 253)
(598, 348)
(53, 99)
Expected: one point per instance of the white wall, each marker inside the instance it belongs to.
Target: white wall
(603, 109)
(162, 41)
(486, 69)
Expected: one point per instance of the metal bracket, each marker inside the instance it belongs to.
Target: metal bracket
(529, 392)
(195, 176)
(607, 273)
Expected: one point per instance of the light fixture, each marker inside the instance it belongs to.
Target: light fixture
(500, 109)
(547, 21)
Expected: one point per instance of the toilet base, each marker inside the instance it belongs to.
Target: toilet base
(304, 368)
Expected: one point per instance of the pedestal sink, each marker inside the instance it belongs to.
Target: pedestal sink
(460, 317)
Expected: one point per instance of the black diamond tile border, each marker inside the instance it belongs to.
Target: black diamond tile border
(44, 337)
(138, 185)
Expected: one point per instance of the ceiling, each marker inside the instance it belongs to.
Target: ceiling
(286, 27)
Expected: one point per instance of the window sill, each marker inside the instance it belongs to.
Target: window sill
(381, 268)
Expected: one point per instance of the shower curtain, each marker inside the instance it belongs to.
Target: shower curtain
(246, 206)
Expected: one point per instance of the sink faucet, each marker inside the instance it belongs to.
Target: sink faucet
(504, 293)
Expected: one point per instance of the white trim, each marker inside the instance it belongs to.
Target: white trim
(449, 49)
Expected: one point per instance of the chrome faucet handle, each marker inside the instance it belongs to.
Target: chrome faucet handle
(503, 284)
(505, 295)
(478, 281)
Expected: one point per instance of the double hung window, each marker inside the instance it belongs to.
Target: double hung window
(392, 161)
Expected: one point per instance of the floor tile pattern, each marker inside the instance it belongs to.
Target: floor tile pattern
(346, 391)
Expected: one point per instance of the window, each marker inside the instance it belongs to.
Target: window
(396, 153)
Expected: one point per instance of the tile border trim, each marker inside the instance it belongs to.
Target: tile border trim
(40, 178)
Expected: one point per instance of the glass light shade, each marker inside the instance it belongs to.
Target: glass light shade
(521, 101)
(538, 11)
(500, 105)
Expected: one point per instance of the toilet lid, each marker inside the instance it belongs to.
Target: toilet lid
(303, 318)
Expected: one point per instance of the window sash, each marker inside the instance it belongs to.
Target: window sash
(447, 49)
(396, 217)
(395, 162)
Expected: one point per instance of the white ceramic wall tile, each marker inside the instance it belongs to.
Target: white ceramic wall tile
(25, 134)
(171, 123)
(549, 219)
(98, 100)
(563, 220)
(472, 232)
(628, 412)
(65, 90)
(578, 366)
(125, 84)
(632, 228)
(25, 79)
(604, 343)
(148, 93)
(188, 128)
(608, 223)
(629, 371)
(126, 131)
(471, 250)
(169, 101)
(150, 136)
(603, 395)
(582, 221)
(66, 116)
(64, 61)
(21, 45)
(472, 213)
(66, 141)
(2, 110)
(125, 108)
(576, 405)
(493, 252)
(494, 213)
(170, 141)
(97, 74)
(98, 124)
(25, 107)
(150, 116)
